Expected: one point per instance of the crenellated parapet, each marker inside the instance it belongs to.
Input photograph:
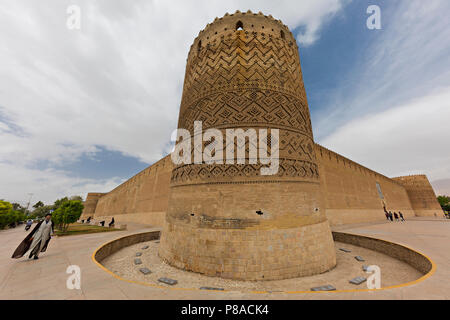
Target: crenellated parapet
(245, 21)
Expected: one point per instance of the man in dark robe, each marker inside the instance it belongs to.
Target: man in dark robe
(37, 240)
(396, 216)
(386, 213)
(391, 216)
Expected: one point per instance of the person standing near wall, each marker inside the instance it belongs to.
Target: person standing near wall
(396, 216)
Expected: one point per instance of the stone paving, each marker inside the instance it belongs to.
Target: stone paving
(394, 272)
(46, 278)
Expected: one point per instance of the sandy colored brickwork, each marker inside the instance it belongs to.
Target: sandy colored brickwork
(349, 190)
(421, 194)
(393, 271)
(229, 220)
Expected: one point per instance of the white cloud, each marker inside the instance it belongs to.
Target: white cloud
(391, 113)
(408, 139)
(115, 83)
(408, 58)
(441, 187)
(47, 185)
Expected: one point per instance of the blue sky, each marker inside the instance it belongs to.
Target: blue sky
(82, 111)
(330, 60)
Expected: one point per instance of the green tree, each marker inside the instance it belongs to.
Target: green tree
(444, 201)
(5, 213)
(38, 204)
(58, 203)
(79, 198)
(8, 215)
(42, 211)
(18, 207)
(5, 207)
(68, 212)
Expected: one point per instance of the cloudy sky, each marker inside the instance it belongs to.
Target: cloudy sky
(83, 110)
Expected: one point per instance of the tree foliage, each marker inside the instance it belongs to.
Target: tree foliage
(8, 215)
(79, 198)
(68, 212)
(38, 204)
(18, 207)
(43, 211)
(58, 203)
(444, 201)
(65, 211)
(5, 207)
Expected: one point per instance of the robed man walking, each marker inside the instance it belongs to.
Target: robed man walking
(37, 240)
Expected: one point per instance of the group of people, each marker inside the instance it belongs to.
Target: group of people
(391, 216)
(102, 223)
(111, 224)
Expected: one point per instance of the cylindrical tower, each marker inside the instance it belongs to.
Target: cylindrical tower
(243, 72)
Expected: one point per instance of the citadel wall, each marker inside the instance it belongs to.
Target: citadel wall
(141, 199)
(243, 71)
(90, 205)
(421, 193)
(349, 192)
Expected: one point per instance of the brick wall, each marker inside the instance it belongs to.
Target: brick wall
(141, 199)
(421, 194)
(350, 191)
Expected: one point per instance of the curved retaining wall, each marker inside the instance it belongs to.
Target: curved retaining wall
(397, 251)
(115, 245)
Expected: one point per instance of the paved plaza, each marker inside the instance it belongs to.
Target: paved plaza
(46, 278)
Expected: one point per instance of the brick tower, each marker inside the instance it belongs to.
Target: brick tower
(243, 71)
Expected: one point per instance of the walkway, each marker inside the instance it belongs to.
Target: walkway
(46, 278)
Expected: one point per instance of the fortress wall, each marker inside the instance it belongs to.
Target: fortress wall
(349, 191)
(421, 194)
(141, 199)
(351, 194)
(90, 204)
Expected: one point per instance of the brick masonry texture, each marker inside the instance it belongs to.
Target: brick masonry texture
(349, 193)
(243, 71)
(247, 254)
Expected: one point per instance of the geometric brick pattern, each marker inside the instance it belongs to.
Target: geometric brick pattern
(228, 220)
(248, 78)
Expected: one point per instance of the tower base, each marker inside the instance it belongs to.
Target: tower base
(249, 254)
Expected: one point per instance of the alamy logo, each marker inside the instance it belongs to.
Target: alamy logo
(74, 280)
(374, 21)
(209, 146)
(374, 280)
(74, 19)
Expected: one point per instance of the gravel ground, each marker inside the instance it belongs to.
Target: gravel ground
(393, 272)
